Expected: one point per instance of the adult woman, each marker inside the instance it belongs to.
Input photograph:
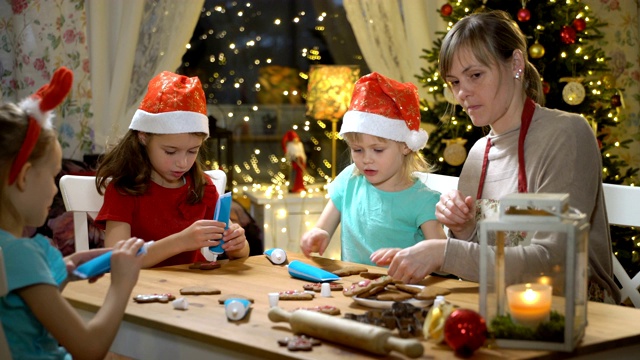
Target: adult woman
(529, 149)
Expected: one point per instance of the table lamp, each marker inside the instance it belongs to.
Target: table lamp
(329, 95)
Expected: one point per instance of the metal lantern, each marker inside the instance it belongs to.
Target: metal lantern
(539, 302)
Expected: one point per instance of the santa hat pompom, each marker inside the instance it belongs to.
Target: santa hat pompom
(417, 139)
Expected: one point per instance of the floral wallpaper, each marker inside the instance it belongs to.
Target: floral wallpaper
(37, 37)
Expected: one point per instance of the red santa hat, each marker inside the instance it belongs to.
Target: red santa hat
(39, 109)
(288, 137)
(385, 108)
(174, 104)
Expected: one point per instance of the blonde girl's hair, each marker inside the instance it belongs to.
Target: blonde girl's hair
(128, 167)
(14, 123)
(412, 162)
(492, 37)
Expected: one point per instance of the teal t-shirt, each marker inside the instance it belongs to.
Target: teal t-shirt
(371, 219)
(29, 261)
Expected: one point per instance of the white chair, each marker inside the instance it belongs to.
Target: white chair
(623, 203)
(437, 182)
(4, 347)
(81, 197)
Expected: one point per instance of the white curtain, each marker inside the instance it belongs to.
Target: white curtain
(130, 41)
(392, 34)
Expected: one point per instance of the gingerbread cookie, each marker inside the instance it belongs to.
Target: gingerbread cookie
(325, 309)
(430, 292)
(350, 270)
(317, 287)
(222, 298)
(295, 295)
(371, 275)
(299, 343)
(161, 298)
(205, 265)
(391, 295)
(408, 288)
(199, 290)
(366, 285)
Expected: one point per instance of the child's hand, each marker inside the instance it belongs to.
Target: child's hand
(234, 238)
(202, 233)
(78, 258)
(314, 240)
(383, 257)
(126, 263)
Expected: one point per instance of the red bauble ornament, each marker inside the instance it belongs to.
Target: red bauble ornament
(524, 15)
(446, 10)
(579, 25)
(465, 331)
(568, 35)
(616, 101)
(546, 87)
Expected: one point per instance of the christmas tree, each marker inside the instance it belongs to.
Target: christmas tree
(562, 46)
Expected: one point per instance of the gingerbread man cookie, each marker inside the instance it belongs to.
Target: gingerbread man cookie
(365, 285)
(295, 295)
(325, 309)
(350, 270)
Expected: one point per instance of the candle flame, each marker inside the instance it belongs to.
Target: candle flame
(530, 296)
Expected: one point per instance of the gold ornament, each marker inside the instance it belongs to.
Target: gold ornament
(455, 153)
(536, 51)
(573, 93)
(609, 81)
(448, 95)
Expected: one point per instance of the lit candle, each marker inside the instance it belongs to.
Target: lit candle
(529, 304)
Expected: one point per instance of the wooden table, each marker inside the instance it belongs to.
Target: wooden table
(157, 331)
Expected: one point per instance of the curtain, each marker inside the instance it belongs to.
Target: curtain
(130, 42)
(392, 34)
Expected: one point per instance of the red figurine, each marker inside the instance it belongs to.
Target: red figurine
(294, 152)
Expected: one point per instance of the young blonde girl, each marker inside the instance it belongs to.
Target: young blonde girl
(153, 180)
(38, 321)
(380, 203)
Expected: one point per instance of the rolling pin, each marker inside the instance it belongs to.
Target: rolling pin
(374, 339)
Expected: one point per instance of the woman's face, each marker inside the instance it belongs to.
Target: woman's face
(486, 93)
(171, 156)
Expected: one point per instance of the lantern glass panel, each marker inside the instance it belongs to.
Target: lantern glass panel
(533, 272)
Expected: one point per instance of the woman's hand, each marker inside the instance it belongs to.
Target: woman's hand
(457, 212)
(314, 240)
(412, 264)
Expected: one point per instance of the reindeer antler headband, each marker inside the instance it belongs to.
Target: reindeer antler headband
(38, 108)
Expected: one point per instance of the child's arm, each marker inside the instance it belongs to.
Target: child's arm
(318, 238)
(88, 340)
(432, 229)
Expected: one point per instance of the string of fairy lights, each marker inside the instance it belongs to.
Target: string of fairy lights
(235, 53)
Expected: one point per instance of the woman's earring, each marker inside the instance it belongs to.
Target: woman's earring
(518, 74)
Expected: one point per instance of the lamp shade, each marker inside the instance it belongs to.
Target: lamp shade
(330, 89)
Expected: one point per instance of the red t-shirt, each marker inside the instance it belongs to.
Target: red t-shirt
(158, 213)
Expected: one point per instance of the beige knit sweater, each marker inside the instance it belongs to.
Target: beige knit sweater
(561, 156)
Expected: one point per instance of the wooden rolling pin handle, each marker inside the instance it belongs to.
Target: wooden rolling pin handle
(411, 348)
(367, 337)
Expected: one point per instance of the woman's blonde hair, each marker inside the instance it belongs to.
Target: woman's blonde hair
(412, 162)
(492, 37)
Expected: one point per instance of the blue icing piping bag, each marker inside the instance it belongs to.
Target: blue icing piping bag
(222, 214)
(101, 264)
